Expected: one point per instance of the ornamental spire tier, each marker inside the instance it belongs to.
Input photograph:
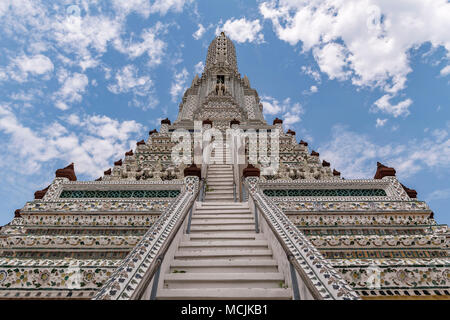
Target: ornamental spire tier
(155, 228)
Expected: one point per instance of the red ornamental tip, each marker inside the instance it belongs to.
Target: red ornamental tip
(277, 121)
(99, 179)
(152, 132)
(107, 172)
(140, 142)
(166, 121)
(313, 153)
(303, 143)
(129, 153)
(234, 121)
(383, 171)
(325, 163)
(207, 121)
(40, 193)
(118, 163)
(67, 172)
(291, 132)
(17, 213)
(336, 173)
(411, 192)
(251, 171)
(192, 170)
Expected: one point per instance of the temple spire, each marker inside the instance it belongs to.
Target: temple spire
(221, 54)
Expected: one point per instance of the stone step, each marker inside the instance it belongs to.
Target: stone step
(222, 222)
(225, 294)
(226, 236)
(222, 216)
(219, 198)
(222, 280)
(219, 211)
(216, 266)
(219, 192)
(220, 183)
(231, 227)
(246, 254)
(205, 244)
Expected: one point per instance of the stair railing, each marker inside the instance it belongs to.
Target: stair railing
(316, 276)
(136, 272)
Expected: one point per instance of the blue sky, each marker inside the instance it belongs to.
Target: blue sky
(361, 81)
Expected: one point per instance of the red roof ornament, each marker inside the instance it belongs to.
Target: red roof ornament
(234, 121)
(251, 171)
(140, 142)
(118, 163)
(40, 193)
(152, 132)
(99, 179)
(207, 121)
(303, 143)
(107, 172)
(67, 172)
(166, 121)
(193, 170)
(129, 153)
(336, 173)
(290, 132)
(325, 163)
(17, 213)
(277, 121)
(411, 192)
(313, 153)
(383, 171)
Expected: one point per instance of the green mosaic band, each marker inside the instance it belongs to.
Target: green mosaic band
(325, 193)
(66, 194)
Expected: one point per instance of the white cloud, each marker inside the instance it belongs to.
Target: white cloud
(178, 84)
(199, 33)
(312, 73)
(365, 41)
(291, 113)
(141, 7)
(128, 80)
(242, 30)
(92, 143)
(400, 109)
(332, 60)
(71, 90)
(445, 71)
(150, 44)
(355, 155)
(163, 6)
(313, 89)
(380, 122)
(199, 67)
(22, 66)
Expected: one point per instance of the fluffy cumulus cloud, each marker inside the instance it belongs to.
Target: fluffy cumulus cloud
(198, 68)
(127, 80)
(242, 30)
(199, 33)
(380, 122)
(365, 41)
(290, 112)
(91, 142)
(356, 155)
(384, 105)
(71, 91)
(178, 84)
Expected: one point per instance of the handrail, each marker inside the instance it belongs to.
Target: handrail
(130, 280)
(339, 289)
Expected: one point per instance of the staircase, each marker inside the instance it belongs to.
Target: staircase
(220, 180)
(223, 257)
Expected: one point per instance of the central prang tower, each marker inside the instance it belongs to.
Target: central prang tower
(220, 94)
